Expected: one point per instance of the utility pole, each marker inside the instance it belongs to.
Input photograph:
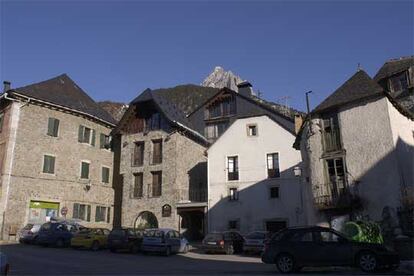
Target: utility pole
(307, 100)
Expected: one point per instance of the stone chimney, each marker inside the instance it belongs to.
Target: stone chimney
(298, 123)
(6, 86)
(245, 88)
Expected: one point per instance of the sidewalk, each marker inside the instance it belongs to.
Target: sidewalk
(407, 266)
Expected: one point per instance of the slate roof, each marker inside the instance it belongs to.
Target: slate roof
(359, 86)
(63, 91)
(394, 66)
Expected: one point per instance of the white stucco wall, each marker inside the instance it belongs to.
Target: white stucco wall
(254, 206)
(369, 135)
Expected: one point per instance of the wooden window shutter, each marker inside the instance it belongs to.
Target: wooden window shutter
(157, 153)
(102, 141)
(88, 215)
(93, 137)
(80, 134)
(156, 184)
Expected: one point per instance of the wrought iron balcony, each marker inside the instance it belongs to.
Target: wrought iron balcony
(197, 195)
(342, 201)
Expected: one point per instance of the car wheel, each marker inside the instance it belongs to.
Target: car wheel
(134, 248)
(95, 246)
(367, 262)
(230, 250)
(60, 243)
(285, 263)
(167, 251)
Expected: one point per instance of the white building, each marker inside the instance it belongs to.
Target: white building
(358, 148)
(251, 180)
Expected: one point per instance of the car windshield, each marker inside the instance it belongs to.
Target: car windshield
(256, 236)
(214, 237)
(153, 233)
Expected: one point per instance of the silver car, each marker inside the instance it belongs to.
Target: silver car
(161, 240)
(29, 233)
(254, 241)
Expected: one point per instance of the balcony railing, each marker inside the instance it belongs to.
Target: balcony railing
(344, 199)
(197, 195)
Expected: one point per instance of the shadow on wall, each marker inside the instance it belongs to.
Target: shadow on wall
(269, 204)
(197, 190)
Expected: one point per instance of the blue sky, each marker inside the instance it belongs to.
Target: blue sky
(116, 49)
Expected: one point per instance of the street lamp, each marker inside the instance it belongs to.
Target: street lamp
(297, 171)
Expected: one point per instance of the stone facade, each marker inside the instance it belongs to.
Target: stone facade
(23, 180)
(180, 155)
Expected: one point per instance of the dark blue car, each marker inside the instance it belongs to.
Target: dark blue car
(56, 234)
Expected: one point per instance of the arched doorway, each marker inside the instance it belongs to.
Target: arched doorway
(146, 220)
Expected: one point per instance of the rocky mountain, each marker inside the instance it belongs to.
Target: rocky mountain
(220, 78)
(116, 110)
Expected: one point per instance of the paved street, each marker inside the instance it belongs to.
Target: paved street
(35, 260)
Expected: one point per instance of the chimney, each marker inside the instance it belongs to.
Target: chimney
(245, 88)
(298, 123)
(6, 86)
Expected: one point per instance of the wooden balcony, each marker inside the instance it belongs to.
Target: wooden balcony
(345, 200)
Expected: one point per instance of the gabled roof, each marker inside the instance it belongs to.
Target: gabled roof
(394, 66)
(359, 86)
(64, 92)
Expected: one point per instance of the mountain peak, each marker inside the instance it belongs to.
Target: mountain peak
(220, 78)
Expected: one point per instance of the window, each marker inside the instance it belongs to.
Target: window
(1, 121)
(251, 130)
(138, 154)
(104, 141)
(273, 165)
(166, 210)
(81, 211)
(274, 192)
(84, 170)
(49, 164)
(108, 215)
(86, 135)
(336, 175)
(302, 236)
(328, 236)
(105, 175)
(138, 185)
(53, 127)
(157, 151)
(331, 134)
(224, 106)
(100, 214)
(233, 194)
(399, 82)
(153, 122)
(156, 183)
(232, 168)
(234, 224)
(213, 131)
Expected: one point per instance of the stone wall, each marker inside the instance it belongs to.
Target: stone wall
(65, 187)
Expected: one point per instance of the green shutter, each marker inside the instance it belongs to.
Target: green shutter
(80, 134)
(88, 215)
(93, 137)
(50, 127)
(102, 141)
(108, 219)
(85, 170)
(56, 127)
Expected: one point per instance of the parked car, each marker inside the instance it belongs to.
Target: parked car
(57, 234)
(28, 234)
(92, 238)
(228, 242)
(125, 239)
(161, 240)
(293, 248)
(184, 245)
(4, 265)
(254, 241)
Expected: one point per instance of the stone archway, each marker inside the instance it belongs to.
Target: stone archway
(145, 220)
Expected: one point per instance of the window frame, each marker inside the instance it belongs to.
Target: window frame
(159, 183)
(104, 215)
(49, 119)
(233, 196)
(107, 140)
(237, 168)
(142, 152)
(89, 169)
(44, 162)
(154, 142)
(135, 184)
(92, 135)
(87, 212)
(278, 174)
(255, 127)
(109, 174)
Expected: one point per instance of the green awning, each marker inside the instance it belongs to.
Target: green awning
(44, 205)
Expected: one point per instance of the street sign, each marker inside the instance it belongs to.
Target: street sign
(64, 211)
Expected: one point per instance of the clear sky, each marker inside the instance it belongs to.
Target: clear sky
(116, 49)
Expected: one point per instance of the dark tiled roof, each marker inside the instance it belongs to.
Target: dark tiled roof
(358, 87)
(394, 66)
(63, 91)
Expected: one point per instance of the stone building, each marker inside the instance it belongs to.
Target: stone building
(161, 143)
(55, 159)
(358, 150)
(251, 178)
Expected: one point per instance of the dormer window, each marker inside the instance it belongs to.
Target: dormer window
(223, 105)
(398, 82)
